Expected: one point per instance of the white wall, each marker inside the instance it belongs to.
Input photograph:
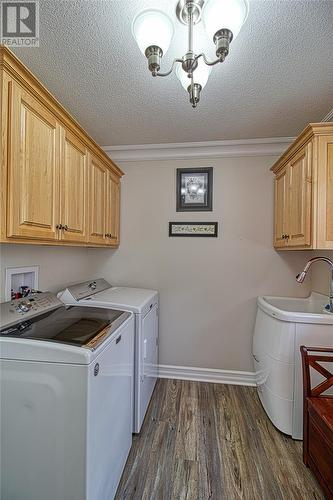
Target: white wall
(208, 287)
(321, 274)
(58, 265)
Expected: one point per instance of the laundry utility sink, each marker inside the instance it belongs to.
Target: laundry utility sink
(311, 309)
(282, 325)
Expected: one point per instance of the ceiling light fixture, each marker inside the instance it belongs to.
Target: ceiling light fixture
(153, 31)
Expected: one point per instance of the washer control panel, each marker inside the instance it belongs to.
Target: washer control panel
(83, 290)
(17, 310)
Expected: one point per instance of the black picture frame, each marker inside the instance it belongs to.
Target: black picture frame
(183, 203)
(195, 235)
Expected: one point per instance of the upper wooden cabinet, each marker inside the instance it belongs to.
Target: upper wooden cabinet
(58, 185)
(304, 191)
(97, 201)
(73, 189)
(33, 175)
(104, 197)
(113, 205)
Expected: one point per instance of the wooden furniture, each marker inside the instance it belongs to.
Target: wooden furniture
(304, 191)
(58, 187)
(318, 418)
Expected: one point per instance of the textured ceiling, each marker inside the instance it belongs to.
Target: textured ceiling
(277, 77)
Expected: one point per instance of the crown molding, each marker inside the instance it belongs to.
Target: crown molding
(194, 150)
(328, 117)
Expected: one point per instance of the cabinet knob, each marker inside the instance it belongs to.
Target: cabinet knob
(65, 227)
(283, 236)
(59, 226)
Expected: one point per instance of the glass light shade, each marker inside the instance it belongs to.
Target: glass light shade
(152, 27)
(224, 14)
(200, 74)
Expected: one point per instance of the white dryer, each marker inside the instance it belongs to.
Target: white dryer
(144, 304)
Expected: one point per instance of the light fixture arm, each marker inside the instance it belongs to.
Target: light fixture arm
(208, 63)
(170, 70)
(196, 58)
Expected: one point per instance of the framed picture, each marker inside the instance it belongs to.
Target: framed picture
(201, 229)
(194, 189)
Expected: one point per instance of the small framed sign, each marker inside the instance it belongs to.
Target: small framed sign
(194, 189)
(201, 229)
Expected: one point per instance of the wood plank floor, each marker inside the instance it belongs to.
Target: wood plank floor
(203, 441)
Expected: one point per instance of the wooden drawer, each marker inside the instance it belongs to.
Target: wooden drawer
(321, 453)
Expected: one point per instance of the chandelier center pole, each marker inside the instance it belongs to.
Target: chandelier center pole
(185, 8)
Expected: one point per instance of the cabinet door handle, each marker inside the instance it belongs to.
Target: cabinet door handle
(283, 236)
(118, 339)
(65, 227)
(59, 226)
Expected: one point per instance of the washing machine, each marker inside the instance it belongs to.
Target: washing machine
(66, 377)
(143, 303)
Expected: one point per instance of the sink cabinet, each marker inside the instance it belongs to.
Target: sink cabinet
(58, 186)
(304, 192)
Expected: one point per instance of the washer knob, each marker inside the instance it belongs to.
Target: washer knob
(24, 306)
(92, 285)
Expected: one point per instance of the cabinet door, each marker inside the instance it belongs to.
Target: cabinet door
(33, 191)
(73, 189)
(324, 229)
(97, 201)
(299, 211)
(113, 210)
(281, 208)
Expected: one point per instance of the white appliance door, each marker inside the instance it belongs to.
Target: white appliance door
(149, 361)
(43, 424)
(110, 414)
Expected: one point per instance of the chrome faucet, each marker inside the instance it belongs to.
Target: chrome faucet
(301, 276)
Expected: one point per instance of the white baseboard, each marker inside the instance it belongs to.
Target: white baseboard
(207, 375)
